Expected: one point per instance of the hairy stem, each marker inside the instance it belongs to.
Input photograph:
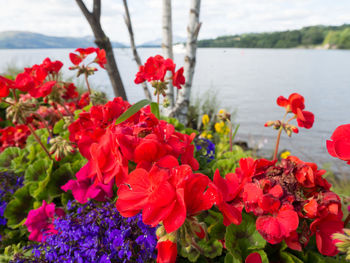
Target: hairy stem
(45, 123)
(279, 138)
(87, 83)
(38, 140)
(230, 123)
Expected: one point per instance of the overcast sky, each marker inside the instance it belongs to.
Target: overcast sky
(219, 17)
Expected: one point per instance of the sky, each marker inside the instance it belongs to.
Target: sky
(218, 17)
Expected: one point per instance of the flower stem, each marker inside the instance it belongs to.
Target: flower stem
(158, 97)
(347, 220)
(14, 95)
(38, 140)
(87, 83)
(230, 134)
(279, 137)
(68, 111)
(44, 122)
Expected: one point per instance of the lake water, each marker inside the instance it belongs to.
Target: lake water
(249, 81)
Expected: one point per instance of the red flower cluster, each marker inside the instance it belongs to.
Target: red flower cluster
(40, 221)
(100, 58)
(33, 80)
(291, 195)
(167, 192)
(295, 104)
(155, 69)
(13, 136)
(339, 145)
(142, 140)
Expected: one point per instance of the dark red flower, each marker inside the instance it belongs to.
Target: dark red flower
(178, 78)
(226, 193)
(305, 119)
(101, 57)
(253, 258)
(279, 226)
(5, 85)
(75, 59)
(167, 252)
(339, 145)
(324, 228)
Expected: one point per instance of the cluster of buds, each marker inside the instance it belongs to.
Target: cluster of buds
(60, 147)
(343, 242)
(288, 128)
(224, 115)
(98, 98)
(20, 111)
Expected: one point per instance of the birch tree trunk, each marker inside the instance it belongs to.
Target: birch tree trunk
(167, 48)
(183, 99)
(133, 46)
(103, 42)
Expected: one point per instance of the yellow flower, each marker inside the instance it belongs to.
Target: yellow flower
(205, 119)
(203, 134)
(220, 127)
(222, 111)
(285, 154)
(209, 136)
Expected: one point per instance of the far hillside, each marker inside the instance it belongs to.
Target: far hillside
(327, 37)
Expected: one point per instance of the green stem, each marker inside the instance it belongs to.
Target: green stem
(279, 138)
(158, 97)
(230, 123)
(14, 95)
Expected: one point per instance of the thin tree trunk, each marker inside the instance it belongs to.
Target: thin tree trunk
(181, 107)
(103, 42)
(167, 47)
(133, 46)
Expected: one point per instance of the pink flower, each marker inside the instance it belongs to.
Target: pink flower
(40, 221)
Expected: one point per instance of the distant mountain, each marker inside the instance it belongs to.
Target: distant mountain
(321, 37)
(23, 39)
(158, 42)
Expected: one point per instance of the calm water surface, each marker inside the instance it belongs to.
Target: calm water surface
(249, 81)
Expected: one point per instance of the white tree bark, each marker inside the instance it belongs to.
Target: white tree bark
(167, 48)
(127, 20)
(183, 99)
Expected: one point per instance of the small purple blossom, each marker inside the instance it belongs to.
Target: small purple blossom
(96, 232)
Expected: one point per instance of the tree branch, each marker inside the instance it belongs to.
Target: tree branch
(97, 9)
(83, 8)
(127, 20)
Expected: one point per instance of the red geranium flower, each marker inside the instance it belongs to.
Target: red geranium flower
(5, 85)
(279, 226)
(253, 258)
(101, 57)
(339, 145)
(52, 66)
(324, 228)
(167, 252)
(178, 78)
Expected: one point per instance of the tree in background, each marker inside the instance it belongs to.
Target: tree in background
(167, 48)
(103, 42)
(137, 58)
(182, 104)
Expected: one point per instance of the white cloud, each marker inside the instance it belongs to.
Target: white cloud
(219, 17)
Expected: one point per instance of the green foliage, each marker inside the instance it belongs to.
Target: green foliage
(43, 179)
(132, 110)
(335, 36)
(227, 162)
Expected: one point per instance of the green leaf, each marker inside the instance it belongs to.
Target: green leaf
(155, 109)
(18, 208)
(233, 258)
(132, 110)
(58, 128)
(289, 258)
(38, 170)
(59, 178)
(190, 253)
(7, 156)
